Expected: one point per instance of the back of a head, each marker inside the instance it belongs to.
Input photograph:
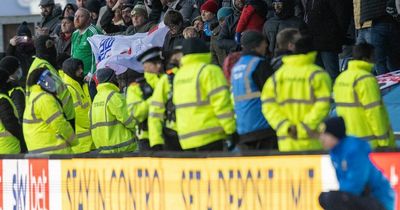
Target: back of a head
(252, 39)
(105, 75)
(304, 45)
(287, 36)
(194, 46)
(363, 51)
(71, 65)
(173, 17)
(9, 64)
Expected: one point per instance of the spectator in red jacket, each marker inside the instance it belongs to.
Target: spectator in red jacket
(252, 18)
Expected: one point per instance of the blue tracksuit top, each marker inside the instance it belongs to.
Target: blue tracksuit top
(355, 171)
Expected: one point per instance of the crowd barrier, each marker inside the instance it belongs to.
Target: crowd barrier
(251, 182)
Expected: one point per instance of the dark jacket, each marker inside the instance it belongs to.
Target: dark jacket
(218, 54)
(169, 42)
(188, 8)
(18, 97)
(10, 122)
(63, 45)
(276, 61)
(24, 53)
(327, 21)
(276, 24)
(226, 38)
(372, 9)
(52, 22)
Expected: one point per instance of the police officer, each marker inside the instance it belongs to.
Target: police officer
(112, 128)
(45, 127)
(10, 129)
(162, 119)
(46, 57)
(204, 111)
(297, 98)
(73, 78)
(15, 91)
(359, 102)
(139, 92)
(249, 76)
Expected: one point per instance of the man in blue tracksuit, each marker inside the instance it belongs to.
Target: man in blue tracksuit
(361, 184)
(248, 77)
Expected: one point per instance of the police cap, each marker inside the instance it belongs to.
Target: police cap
(150, 55)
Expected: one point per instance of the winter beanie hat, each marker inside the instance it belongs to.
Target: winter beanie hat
(224, 12)
(210, 6)
(23, 30)
(193, 46)
(335, 126)
(9, 64)
(251, 39)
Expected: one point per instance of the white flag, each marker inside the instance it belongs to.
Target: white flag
(120, 52)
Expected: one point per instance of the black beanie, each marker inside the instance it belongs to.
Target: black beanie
(251, 39)
(193, 46)
(104, 75)
(23, 30)
(336, 127)
(9, 64)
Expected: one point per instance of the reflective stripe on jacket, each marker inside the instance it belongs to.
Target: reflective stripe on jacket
(297, 94)
(204, 110)
(44, 126)
(9, 144)
(359, 102)
(138, 102)
(157, 115)
(82, 103)
(249, 117)
(111, 126)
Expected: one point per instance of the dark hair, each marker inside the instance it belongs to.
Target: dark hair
(304, 45)
(287, 36)
(34, 76)
(363, 51)
(173, 17)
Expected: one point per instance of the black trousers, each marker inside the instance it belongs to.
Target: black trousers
(336, 200)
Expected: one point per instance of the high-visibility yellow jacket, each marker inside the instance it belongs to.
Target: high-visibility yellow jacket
(82, 103)
(45, 128)
(9, 144)
(298, 94)
(111, 126)
(63, 94)
(359, 102)
(204, 111)
(138, 105)
(157, 111)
